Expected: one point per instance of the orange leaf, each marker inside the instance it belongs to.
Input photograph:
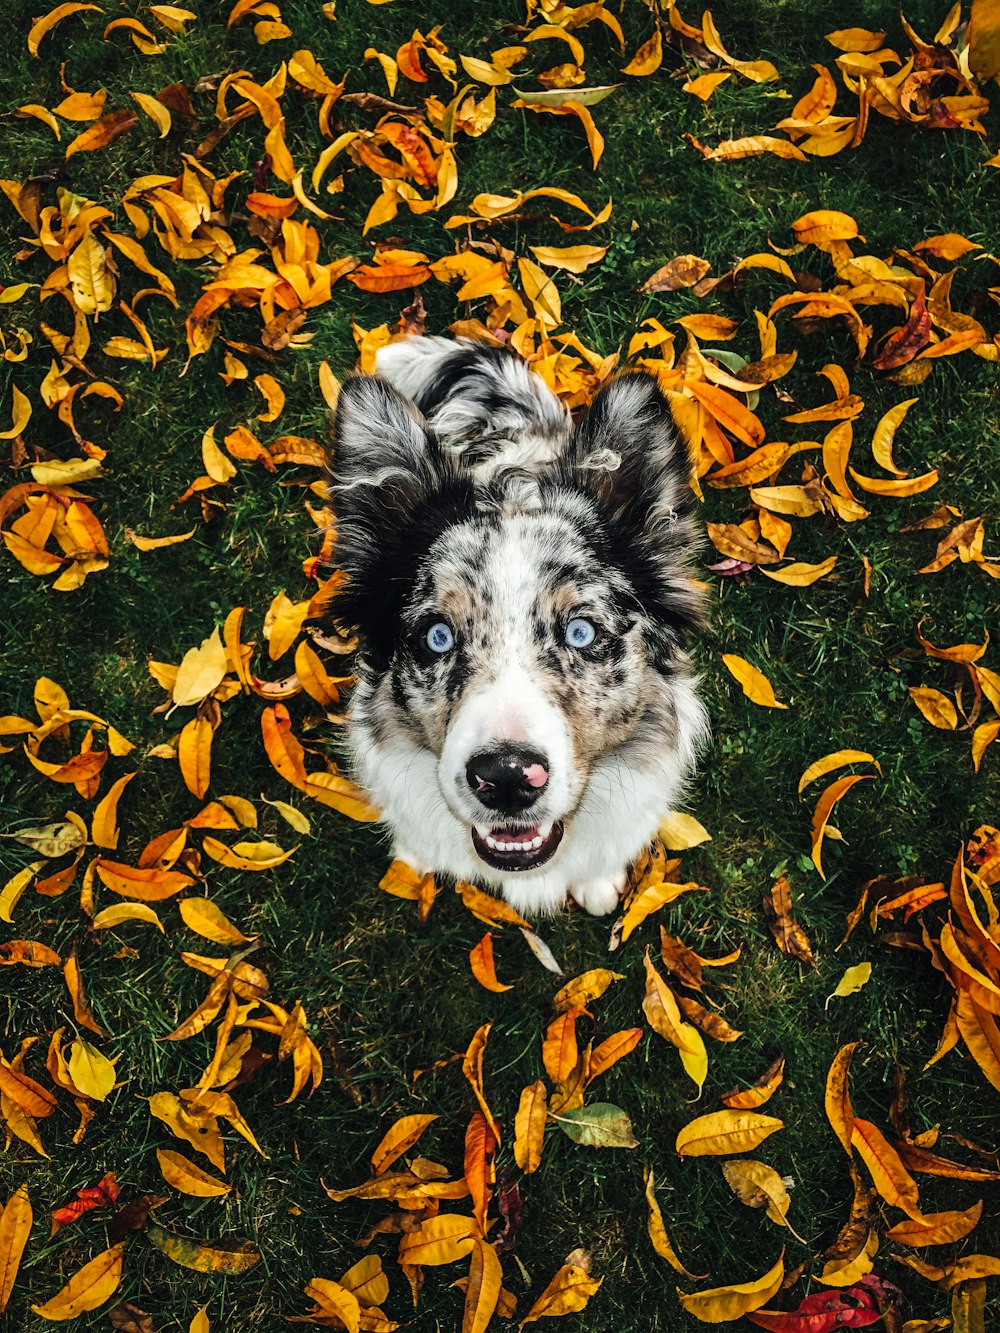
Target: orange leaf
(483, 969)
(560, 1052)
(480, 1176)
(103, 132)
(148, 885)
(748, 1099)
(889, 1176)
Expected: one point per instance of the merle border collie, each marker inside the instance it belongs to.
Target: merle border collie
(526, 712)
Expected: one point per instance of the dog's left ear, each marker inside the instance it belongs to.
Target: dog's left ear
(627, 452)
(382, 465)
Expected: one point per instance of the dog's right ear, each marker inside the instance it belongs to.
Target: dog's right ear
(383, 465)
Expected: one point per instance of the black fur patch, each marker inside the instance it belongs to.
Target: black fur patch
(381, 586)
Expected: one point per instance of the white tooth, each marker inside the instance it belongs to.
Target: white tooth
(536, 843)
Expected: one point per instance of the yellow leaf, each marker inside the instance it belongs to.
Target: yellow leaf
(224, 1256)
(15, 1224)
(748, 1099)
(723, 1132)
(121, 912)
(658, 1232)
(829, 762)
(482, 1292)
(936, 707)
(759, 1186)
(201, 670)
(733, 150)
(89, 276)
(335, 1303)
(856, 39)
(579, 992)
(884, 433)
(21, 414)
(274, 396)
(146, 884)
(208, 920)
(678, 832)
(295, 818)
(155, 110)
(172, 17)
(261, 855)
(201, 1132)
(41, 113)
(157, 543)
(199, 1322)
(936, 1228)
(824, 226)
(723, 1305)
(399, 1139)
(194, 754)
(572, 258)
(48, 21)
(568, 1292)
(185, 1176)
(91, 1072)
(801, 575)
(756, 686)
(705, 84)
(13, 890)
(648, 58)
(908, 486)
(439, 1240)
(650, 900)
(86, 1289)
(824, 806)
(662, 1011)
(851, 982)
(329, 385)
(217, 465)
(282, 623)
(529, 1127)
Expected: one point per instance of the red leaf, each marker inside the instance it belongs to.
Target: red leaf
(823, 1312)
(101, 1195)
(903, 345)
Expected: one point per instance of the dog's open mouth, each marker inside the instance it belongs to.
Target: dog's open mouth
(508, 848)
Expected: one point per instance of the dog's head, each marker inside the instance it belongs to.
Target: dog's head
(524, 629)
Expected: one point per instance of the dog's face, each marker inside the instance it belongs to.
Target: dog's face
(521, 660)
(517, 632)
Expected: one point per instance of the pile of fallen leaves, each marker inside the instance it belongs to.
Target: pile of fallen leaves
(262, 243)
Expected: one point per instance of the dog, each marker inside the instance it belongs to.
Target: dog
(526, 711)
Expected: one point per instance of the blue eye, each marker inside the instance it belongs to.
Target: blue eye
(580, 633)
(439, 638)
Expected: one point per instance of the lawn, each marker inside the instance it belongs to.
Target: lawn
(386, 988)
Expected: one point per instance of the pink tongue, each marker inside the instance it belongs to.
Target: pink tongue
(514, 834)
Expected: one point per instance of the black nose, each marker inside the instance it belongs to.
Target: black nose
(507, 779)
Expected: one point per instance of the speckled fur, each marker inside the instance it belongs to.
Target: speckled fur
(507, 534)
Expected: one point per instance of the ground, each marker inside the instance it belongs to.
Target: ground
(385, 993)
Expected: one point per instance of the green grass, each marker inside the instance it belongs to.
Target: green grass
(385, 993)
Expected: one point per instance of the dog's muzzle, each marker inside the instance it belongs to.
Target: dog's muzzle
(509, 780)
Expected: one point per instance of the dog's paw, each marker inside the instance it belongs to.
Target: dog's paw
(599, 896)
